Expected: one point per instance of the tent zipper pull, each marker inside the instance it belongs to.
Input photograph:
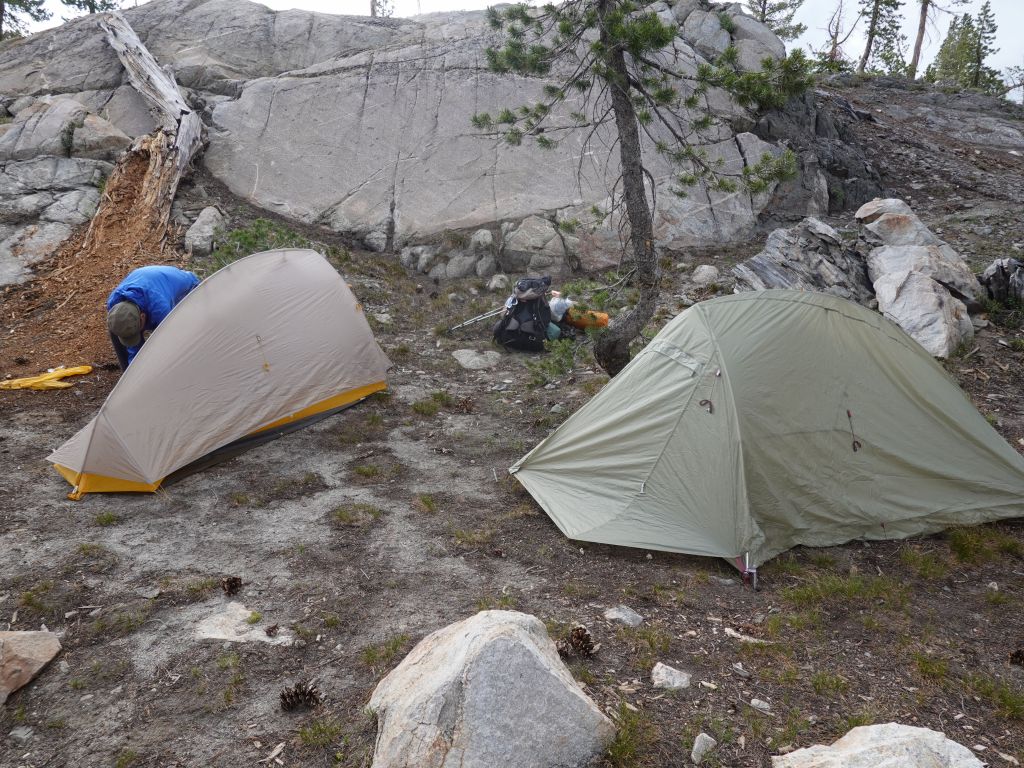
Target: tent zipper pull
(856, 443)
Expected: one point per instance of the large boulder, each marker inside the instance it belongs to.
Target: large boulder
(925, 310)
(98, 139)
(23, 656)
(487, 691)
(884, 746)
(939, 262)
(921, 283)
(47, 127)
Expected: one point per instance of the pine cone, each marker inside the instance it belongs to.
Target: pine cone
(231, 584)
(1017, 657)
(303, 694)
(581, 642)
(272, 630)
(578, 643)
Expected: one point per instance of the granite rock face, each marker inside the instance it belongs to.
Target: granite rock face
(363, 125)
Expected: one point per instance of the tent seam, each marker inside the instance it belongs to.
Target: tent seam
(727, 382)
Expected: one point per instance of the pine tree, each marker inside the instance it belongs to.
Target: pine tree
(889, 55)
(960, 62)
(14, 15)
(928, 9)
(92, 6)
(981, 76)
(883, 18)
(778, 15)
(612, 62)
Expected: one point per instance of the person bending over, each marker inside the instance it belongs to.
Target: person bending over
(140, 303)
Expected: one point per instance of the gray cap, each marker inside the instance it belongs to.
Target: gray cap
(125, 321)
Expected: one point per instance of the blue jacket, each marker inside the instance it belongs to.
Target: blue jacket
(155, 291)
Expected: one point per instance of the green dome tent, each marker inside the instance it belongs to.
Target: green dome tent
(756, 422)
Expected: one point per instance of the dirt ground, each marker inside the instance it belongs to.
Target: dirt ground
(371, 529)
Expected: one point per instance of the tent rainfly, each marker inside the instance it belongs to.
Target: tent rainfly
(265, 344)
(756, 422)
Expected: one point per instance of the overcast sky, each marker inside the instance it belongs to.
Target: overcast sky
(815, 14)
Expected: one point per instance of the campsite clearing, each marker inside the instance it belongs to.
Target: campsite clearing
(366, 531)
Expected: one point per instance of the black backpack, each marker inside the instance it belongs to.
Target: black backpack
(524, 325)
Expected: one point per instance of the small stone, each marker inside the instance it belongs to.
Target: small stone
(993, 586)
(723, 581)
(23, 656)
(705, 274)
(739, 669)
(116, 691)
(22, 734)
(383, 318)
(472, 360)
(670, 678)
(148, 594)
(701, 746)
(499, 283)
(557, 408)
(761, 706)
(624, 615)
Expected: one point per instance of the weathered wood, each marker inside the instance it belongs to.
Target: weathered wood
(140, 191)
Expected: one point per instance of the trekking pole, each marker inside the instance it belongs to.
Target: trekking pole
(477, 319)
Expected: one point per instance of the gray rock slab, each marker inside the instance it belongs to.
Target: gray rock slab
(670, 678)
(939, 262)
(23, 656)
(98, 139)
(474, 360)
(889, 745)
(701, 746)
(45, 128)
(926, 310)
(624, 615)
(199, 237)
(487, 691)
(705, 274)
(811, 257)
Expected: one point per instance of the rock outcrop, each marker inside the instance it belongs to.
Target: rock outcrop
(901, 268)
(1004, 280)
(920, 282)
(363, 125)
(810, 256)
(41, 202)
(490, 690)
(884, 746)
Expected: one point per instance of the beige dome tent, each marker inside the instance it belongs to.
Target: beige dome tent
(756, 422)
(261, 346)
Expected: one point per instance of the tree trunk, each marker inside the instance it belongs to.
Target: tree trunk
(135, 209)
(872, 29)
(926, 6)
(373, 8)
(3, 17)
(612, 348)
